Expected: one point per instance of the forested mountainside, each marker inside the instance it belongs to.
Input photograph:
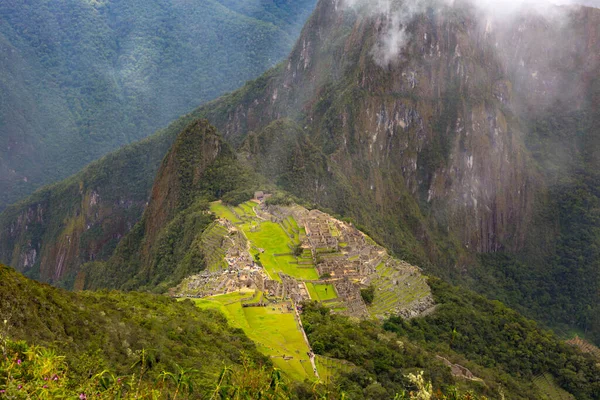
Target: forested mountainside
(136, 345)
(472, 153)
(163, 248)
(115, 331)
(82, 78)
(482, 139)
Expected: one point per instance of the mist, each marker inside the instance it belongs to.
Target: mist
(398, 14)
(82, 78)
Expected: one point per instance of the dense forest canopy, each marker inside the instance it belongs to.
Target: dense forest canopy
(82, 78)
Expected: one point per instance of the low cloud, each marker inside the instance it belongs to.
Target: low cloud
(397, 14)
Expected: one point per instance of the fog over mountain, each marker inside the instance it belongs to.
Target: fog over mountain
(503, 13)
(325, 208)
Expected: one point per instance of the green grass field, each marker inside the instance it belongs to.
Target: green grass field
(320, 292)
(273, 240)
(269, 236)
(223, 211)
(244, 212)
(274, 331)
(248, 208)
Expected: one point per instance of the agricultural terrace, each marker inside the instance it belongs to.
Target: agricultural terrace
(271, 243)
(274, 330)
(548, 386)
(329, 368)
(263, 261)
(223, 211)
(294, 248)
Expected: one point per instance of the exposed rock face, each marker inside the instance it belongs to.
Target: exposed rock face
(428, 152)
(182, 170)
(91, 232)
(440, 129)
(52, 233)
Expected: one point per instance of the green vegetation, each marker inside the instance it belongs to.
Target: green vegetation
(277, 256)
(212, 247)
(323, 160)
(84, 78)
(223, 211)
(376, 363)
(392, 287)
(321, 292)
(38, 372)
(556, 276)
(273, 244)
(330, 368)
(548, 386)
(495, 337)
(113, 331)
(121, 181)
(166, 245)
(495, 343)
(273, 328)
(368, 294)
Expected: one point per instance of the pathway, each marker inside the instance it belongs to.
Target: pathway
(311, 354)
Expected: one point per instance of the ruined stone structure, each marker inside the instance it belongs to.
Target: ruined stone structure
(342, 256)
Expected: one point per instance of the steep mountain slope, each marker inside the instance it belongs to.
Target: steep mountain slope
(480, 138)
(161, 248)
(99, 331)
(83, 78)
(502, 351)
(83, 218)
(441, 121)
(470, 141)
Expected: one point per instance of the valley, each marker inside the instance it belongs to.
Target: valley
(407, 207)
(82, 78)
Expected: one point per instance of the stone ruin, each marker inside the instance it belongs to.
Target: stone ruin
(342, 256)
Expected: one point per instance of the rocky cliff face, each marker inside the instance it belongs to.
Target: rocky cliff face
(437, 132)
(92, 232)
(430, 150)
(51, 234)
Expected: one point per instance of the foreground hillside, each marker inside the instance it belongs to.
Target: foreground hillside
(82, 78)
(112, 331)
(468, 348)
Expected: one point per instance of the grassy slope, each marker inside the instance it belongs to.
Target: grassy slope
(274, 331)
(321, 292)
(106, 329)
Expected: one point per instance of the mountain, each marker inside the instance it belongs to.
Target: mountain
(98, 343)
(473, 154)
(160, 249)
(470, 151)
(111, 331)
(80, 78)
